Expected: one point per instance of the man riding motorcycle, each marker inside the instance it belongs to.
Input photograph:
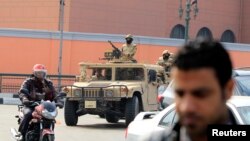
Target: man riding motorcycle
(31, 90)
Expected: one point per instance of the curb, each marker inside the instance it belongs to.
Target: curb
(9, 99)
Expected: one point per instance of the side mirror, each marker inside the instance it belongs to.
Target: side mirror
(60, 105)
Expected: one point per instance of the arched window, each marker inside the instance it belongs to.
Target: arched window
(178, 32)
(205, 33)
(228, 36)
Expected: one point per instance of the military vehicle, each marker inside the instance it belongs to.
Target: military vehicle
(116, 89)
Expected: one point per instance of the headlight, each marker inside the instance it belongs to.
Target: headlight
(49, 115)
(109, 93)
(77, 92)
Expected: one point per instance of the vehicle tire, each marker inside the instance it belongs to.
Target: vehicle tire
(111, 118)
(70, 116)
(102, 115)
(132, 109)
(48, 137)
(31, 136)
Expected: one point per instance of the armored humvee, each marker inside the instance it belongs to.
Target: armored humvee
(116, 89)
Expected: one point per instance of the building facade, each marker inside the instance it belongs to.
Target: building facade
(224, 20)
(21, 49)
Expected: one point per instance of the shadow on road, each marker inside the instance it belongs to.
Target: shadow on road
(104, 126)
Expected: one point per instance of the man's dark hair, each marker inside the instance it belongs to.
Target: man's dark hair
(202, 53)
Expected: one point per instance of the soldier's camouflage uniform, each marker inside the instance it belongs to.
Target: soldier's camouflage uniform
(128, 51)
(167, 64)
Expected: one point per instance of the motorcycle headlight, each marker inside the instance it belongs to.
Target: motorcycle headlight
(109, 93)
(49, 115)
(77, 92)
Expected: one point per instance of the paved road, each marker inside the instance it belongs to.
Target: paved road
(89, 128)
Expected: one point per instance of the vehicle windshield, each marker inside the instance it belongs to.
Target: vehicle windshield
(125, 74)
(243, 85)
(244, 114)
(99, 74)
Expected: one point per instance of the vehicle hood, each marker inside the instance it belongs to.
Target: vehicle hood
(106, 84)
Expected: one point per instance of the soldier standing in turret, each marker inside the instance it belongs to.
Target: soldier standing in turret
(128, 49)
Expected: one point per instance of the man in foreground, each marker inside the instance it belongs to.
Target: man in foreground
(202, 72)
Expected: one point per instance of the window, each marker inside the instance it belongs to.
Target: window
(129, 74)
(228, 36)
(167, 120)
(151, 75)
(243, 85)
(178, 32)
(244, 114)
(99, 74)
(205, 33)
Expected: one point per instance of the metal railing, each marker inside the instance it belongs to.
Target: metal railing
(11, 83)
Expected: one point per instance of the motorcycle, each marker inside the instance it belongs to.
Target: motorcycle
(41, 126)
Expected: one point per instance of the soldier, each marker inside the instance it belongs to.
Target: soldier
(171, 58)
(98, 75)
(129, 49)
(166, 60)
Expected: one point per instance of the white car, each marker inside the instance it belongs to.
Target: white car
(167, 97)
(241, 77)
(146, 122)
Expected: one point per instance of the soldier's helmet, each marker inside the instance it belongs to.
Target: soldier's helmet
(165, 52)
(128, 36)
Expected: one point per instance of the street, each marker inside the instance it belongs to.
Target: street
(89, 128)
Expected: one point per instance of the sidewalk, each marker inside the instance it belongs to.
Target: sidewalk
(9, 99)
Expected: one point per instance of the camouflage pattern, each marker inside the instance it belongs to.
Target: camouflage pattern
(167, 64)
(161, 79)
(128, 51)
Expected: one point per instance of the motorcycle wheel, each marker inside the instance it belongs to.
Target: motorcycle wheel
(31, 136)
(48, 137)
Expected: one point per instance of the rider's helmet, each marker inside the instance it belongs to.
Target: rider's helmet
(39, 71)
